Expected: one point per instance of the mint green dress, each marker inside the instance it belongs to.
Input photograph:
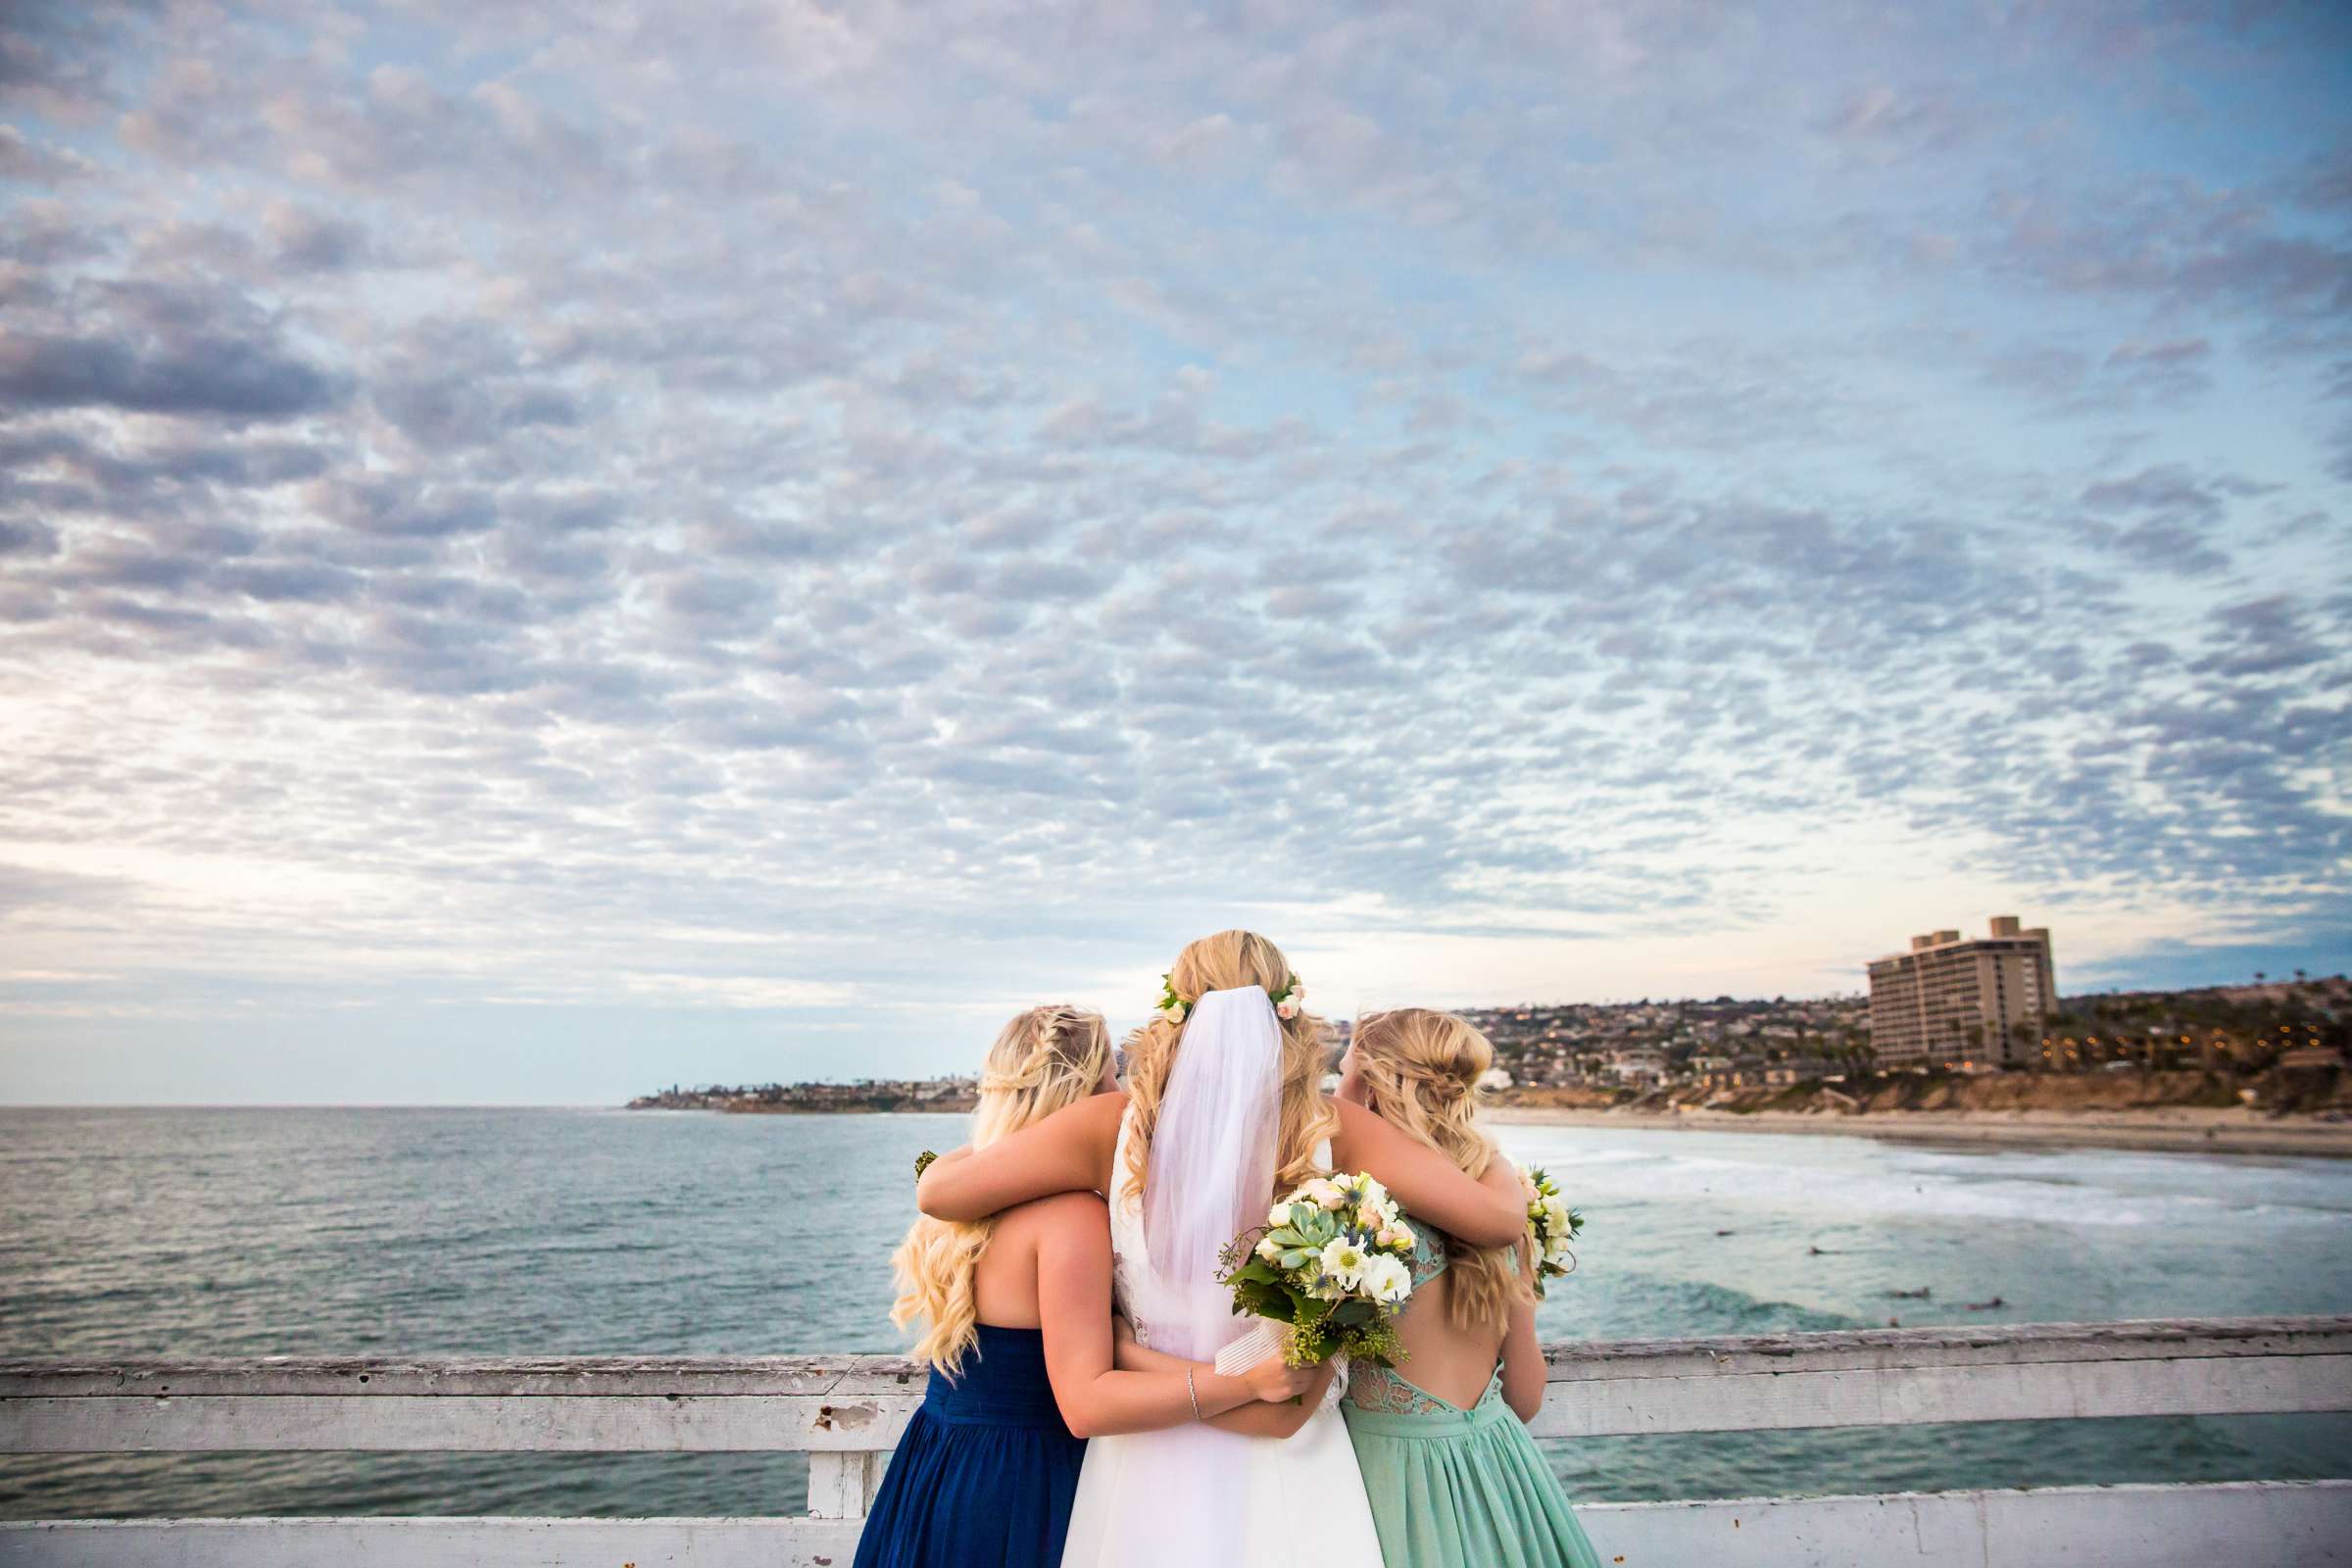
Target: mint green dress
(1453, 1488)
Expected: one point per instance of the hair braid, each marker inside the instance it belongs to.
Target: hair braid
(1043, 1060)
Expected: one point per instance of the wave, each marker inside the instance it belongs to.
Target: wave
(1699, 1308)
(1858, 1181)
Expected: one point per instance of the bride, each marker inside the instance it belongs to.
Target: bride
(1223, 1112)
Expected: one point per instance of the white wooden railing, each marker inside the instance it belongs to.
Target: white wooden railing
(847, 1411)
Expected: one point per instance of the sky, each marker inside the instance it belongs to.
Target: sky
(548, 551)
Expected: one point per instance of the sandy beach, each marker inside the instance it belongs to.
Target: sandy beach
(2171, 1129)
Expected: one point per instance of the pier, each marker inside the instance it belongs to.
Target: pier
(845, 1412)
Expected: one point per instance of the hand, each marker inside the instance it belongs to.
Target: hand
(1273, 1381)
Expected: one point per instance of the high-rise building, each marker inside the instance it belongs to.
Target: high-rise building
(1980, 1003)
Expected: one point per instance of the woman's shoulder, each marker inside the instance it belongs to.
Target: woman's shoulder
(1062, 1207)
(1080, 1214)
(1102, 1117)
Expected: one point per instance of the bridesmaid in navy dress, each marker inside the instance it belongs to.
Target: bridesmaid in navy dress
(1016, 1326)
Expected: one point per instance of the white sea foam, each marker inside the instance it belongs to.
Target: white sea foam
(1852, 1179)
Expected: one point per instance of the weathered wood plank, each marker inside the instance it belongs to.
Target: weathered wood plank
(835, 1405)
(2147, 1338)
(1871, 1396)
(622, 1375)
(453, 1424)
(2275, 1524)
(1592, 1408)
(1712, 1401)
(432, 1543)
(842, 1486)
(576, 1377)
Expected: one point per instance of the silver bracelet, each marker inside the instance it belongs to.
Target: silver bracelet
(1192, 1393)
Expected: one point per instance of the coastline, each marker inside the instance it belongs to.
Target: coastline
(2172, 1129)
(2187, 1130)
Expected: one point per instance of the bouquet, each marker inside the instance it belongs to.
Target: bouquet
(1332, 1263)
(1552, 1224)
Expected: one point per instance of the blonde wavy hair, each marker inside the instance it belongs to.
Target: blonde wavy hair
(1420, 1071)
(1226, 962)
(1043, 1060)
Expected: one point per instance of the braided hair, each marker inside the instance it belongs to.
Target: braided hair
(1043, 1060)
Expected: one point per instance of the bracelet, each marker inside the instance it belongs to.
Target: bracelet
(1192, 1393)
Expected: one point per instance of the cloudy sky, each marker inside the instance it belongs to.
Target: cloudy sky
(544, 554)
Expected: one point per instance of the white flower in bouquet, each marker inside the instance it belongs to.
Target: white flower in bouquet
(1551, 1225)
(1386, 1280)
(1344, 1260)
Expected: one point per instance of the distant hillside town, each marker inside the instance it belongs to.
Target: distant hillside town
(866, 1094)
(1945, 1006)
(1944, 1009)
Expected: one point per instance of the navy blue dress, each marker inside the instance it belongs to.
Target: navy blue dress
(985, 1474)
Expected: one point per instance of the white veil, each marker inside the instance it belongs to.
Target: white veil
(1211, 1170)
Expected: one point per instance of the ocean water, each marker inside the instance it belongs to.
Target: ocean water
(269, 1232)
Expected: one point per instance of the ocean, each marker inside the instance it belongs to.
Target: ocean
(291, 1232)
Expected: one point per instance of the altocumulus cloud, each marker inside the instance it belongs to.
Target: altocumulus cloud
(774, 534)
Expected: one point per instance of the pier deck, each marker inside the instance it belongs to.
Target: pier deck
(847, 1411)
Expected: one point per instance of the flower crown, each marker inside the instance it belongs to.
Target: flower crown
(1289, 1002)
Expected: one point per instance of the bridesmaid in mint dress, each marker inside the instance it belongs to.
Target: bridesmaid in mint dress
(1452, 1485)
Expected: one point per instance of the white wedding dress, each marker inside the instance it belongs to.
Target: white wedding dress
(1194, 1494)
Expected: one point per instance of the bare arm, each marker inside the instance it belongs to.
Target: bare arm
(1073, 1303)
(1069, 1151)
(1261, 1419)
(1523, 1370)
(1490, 1211)
(1280, 1418)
